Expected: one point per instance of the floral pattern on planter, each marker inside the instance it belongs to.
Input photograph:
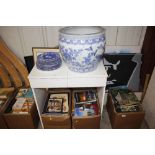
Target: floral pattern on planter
(82, 55)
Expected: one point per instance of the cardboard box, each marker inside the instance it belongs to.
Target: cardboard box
(125, 120)
(28, 120)
(22, 121)
(85, 122)
(57, 121)
(10, 93)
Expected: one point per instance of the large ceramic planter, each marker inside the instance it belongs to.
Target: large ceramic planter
(82, 48)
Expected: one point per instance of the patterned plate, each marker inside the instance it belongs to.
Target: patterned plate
(48, 61)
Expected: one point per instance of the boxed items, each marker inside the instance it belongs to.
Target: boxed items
(85, 109)
(25, 93)
(24, 101)
(6, 95)
(56, 112)
(124, 109)
(22, 112)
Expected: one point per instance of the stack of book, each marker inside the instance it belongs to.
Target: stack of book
(125, 100)
(58, 103)
(85, 103)
(24, 101)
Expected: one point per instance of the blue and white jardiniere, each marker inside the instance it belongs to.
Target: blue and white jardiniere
(82, 48)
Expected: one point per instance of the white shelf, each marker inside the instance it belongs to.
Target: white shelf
(64, 78)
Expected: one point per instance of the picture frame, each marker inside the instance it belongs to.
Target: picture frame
(39, 50)
(65, 97)
(54, 105)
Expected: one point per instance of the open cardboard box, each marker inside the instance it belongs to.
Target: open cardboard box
(10, 93)
(85, 122)
(125, 120)
(61, 121)
(21, 121)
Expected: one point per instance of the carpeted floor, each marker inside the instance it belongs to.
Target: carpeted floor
(105, 122)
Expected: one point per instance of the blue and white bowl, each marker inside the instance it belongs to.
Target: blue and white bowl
(82, 48)
(48, 61)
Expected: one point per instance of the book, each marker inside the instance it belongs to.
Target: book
(22, 92)
(54, 105)
(86, 109)
(25, 93)
(18, 105)
(87, 96)
(65, 100)
(22, 106)
(125, 100)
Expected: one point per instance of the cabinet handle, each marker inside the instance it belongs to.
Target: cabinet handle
(76, 121)
(51, 118)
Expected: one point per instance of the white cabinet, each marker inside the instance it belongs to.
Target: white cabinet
(64, 78)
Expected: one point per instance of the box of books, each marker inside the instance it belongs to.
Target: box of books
(22, 112)
(124, 108)
(56, 111)
(6, 96)
(85, 109)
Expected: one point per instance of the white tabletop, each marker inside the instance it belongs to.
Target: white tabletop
(67, 77)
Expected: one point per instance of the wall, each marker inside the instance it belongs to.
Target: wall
(21, 39)
(148, 102)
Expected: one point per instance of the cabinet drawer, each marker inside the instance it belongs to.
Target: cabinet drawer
(86, 122)
(56, 121)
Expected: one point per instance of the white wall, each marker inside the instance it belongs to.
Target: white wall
(21, 39)
(148, 102)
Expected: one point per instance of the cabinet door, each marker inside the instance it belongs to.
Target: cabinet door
(129, 35)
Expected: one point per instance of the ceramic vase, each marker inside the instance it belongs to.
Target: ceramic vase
(82, 48)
